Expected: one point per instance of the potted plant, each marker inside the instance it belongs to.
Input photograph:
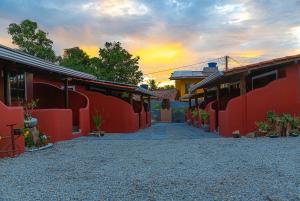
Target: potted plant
(28, 137)
(195, 114)
(97, 120)
(236, 134)
(295, 127)
(271, 116)
(294, 133)
(29, 121)
(205, 118)
(286, 120)
(263, 128)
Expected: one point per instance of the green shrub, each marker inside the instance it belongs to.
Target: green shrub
(97, 120)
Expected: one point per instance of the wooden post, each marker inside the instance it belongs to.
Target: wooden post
(142, 100)
(149, 103)
(66, 93)
(142, 105)
(149, 110)
(205, 95)
(131, 99)
(243, 83)
(196, 101)
(226, 62)
(218, 96)
(218, 106)
(7, 95)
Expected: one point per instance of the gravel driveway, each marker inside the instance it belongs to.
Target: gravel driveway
(164, 162)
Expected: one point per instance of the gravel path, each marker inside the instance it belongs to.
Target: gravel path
(164, 162)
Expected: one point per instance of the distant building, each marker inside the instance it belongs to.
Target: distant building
(162, 94)
(185, 79)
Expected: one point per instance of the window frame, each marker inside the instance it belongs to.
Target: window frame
(16, 75)
(264, 75)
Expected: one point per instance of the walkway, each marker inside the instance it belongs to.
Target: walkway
(163, 131)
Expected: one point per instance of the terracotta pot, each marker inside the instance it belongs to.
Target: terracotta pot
(260, 133)
(102, 133)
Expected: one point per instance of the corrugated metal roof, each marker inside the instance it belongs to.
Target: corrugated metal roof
(193, 74)
(144, 91)
(187, 74)
(108, 84)
(206, 81)
(26, 59)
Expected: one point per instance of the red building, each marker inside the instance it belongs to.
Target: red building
(239, 97)
(67, 101)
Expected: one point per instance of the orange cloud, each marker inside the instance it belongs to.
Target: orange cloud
(249, 54)
(160, 53)
(92, 51)
(7, 42)
(160, 57)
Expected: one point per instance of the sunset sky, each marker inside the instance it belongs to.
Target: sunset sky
(165, 33)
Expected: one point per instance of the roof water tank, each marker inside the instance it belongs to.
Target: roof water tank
(212, 64)
(145, 86)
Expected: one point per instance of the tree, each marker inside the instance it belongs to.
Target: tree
(77, 59)
(167, 87)
(32, 40)
(152, 84)
(118, 65)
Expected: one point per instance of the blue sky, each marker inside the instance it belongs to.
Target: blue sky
(165, 33)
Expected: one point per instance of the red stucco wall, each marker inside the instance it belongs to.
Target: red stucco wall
(118, 115)
(56, 123)
(212, 116)
(188, 115)
(143, 118)
(10, 115)
(149, 119)
(233, 118)
(84, 115)
(281, 96)
(78, 103)
(50, 97)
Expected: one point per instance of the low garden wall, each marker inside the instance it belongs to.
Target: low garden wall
(212, 116)
(118, 115)
(10, 115)
(56, 123)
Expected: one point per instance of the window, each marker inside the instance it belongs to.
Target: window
(187, 86)
(17, 86)
(263, 79)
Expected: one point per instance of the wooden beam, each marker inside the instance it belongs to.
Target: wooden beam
(66, 92)
(218, 96)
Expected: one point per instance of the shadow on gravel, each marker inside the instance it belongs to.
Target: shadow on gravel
(160, 131)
